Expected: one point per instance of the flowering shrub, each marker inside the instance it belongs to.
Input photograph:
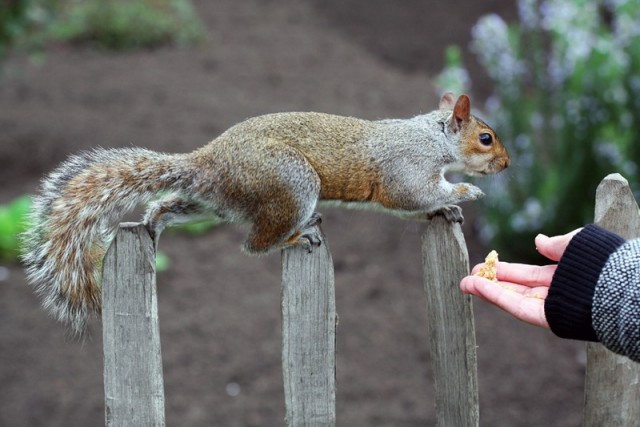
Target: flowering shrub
(566, 102)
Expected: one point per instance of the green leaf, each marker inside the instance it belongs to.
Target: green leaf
(162, 261)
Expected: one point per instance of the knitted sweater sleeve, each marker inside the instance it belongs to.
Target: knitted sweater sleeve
(595, 291)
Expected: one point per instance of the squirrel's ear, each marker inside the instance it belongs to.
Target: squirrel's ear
(447, 101)
(461, 112)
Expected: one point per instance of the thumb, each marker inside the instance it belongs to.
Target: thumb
(554, 247)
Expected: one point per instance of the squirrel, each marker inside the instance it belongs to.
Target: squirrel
(270, 171)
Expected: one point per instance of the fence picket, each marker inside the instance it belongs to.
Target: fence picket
(611, 383)
(133, 380)
(133, 383)
(450, 324)
(308, 335)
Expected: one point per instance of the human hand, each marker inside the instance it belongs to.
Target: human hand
(521, 289)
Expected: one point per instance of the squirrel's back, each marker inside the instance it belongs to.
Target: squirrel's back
(335, 146)
(349, 155)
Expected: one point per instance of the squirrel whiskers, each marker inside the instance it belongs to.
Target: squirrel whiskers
(269, 171)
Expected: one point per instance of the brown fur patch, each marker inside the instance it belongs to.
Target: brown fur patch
(461, 190)
(471, 144)
(332, 144)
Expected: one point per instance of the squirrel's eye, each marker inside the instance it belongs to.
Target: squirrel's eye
(486, 138)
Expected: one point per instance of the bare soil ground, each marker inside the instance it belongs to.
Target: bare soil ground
(219, 309)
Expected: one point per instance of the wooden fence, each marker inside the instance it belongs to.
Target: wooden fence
(134, 394)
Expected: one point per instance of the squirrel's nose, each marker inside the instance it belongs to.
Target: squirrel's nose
(506, 163)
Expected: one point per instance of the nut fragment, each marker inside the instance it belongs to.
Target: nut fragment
(490, 268)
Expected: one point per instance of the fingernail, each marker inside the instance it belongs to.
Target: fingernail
(538, 238)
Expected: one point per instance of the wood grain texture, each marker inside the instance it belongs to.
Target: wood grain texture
(612, 383)
(133, 383)
(450, 324)
(309, 335)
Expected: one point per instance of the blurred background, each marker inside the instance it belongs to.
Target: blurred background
(559, 80)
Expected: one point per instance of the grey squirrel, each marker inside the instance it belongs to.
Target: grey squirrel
(269, 171)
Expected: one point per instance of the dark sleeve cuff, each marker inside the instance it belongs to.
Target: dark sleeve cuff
(568, 304)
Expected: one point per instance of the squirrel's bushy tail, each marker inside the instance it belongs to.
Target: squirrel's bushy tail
(73, 220)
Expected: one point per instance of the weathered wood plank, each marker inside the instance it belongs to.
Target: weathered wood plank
(612, 393)
(133, 383)
(308, 334)
(450, 324)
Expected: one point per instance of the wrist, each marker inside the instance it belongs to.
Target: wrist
(568, 306)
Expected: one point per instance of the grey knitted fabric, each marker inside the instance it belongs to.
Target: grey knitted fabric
(616, 302)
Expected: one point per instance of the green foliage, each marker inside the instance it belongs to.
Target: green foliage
(111, 24)
(454, 77)
(567, 104)
(128, 24)
(199, 227)
(13, 17)
(22, 22)
(162, 261)
(12, 223)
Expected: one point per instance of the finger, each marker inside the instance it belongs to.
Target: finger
(468, 285)
(524, 274)
(554, 247)
(471, 284)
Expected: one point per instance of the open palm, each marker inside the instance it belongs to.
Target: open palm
(521, 289)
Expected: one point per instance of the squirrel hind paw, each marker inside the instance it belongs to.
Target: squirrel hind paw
(152, 230)
(309, 236)
(309, 240)
(451, 213)
(315, 219)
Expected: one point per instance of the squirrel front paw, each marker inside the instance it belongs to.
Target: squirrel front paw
(466, 192)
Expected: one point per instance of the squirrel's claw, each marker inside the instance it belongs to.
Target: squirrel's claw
(451, 213)
(154, 233)
(310, 240)
(315, 219)
(310, 236)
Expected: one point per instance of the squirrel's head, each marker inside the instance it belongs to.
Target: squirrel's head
(480, 148)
